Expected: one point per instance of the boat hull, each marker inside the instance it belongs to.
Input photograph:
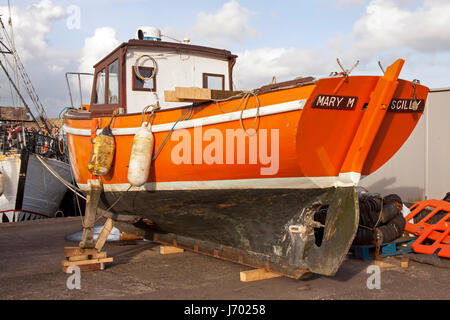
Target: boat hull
(31, 191)
(273, 229)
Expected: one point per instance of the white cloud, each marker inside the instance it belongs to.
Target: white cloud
(227, 25)
(389, 29)
(255, 68)
(31, 26)
(387, 26)
(56, 68)
(97, 47)
(44, 64)
(344, 3)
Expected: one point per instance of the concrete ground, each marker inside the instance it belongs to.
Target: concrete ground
(31, 255)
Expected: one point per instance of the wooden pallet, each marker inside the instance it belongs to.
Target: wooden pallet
(397, 247)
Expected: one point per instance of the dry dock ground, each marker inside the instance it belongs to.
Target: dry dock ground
(31, 255)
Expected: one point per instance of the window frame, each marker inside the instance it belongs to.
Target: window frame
(95, 87)
(134, 76)
(118, 83)
(107, 108)
(205, 75)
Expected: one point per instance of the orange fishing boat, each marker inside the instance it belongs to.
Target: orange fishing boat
(237, 175)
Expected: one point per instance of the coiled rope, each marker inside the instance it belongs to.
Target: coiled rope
(245, 96)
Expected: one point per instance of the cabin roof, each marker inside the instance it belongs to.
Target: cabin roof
(182, 47)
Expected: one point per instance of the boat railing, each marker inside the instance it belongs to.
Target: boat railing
(79, 75)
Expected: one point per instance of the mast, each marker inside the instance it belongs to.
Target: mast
(20, 69)
(18, 94)
(13, 43)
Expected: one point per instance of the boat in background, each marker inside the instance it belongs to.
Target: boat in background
(32, 165)
(237, 175)
(30, 190)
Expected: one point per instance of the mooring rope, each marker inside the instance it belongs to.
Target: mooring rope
(74, 189)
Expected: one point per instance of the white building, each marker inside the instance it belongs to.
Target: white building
(421, 168)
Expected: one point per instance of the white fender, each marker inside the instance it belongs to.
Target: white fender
(141, 156)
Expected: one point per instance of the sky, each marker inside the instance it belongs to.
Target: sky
(291, 39)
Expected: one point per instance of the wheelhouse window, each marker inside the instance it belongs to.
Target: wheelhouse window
(100, 88)
(143, 80)
(214, 81)
(109, 85)
(113, 83)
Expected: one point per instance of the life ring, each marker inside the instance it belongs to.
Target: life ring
(138, 73)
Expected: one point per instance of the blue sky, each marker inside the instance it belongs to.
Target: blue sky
(284, 39)
(306, 23)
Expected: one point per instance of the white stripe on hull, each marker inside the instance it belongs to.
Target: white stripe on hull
(267, 183)
(221, 118)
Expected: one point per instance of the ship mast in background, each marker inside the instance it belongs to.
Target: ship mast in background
(20, 73)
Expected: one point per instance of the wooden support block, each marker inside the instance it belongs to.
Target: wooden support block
(103, 236)
(169, 250)
(77, 251)
(67, 263)
(384, 265)
(97, 255)
(257, 274)
(88, 267)
(404, 263)
(129, 237)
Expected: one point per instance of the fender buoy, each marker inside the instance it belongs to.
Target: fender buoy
(102, 154)
(141, 156)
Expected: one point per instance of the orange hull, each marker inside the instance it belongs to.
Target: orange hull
(318, 146)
